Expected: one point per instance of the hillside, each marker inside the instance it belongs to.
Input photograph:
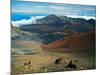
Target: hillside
(75, 41)
(17, 34)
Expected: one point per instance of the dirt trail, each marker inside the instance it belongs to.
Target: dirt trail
(30, 44)
(40, 58)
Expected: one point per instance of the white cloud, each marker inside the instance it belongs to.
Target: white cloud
(41, 6)
(85, 17)
(28, 11)
(22, 22)
(56, 7)
(32, 20)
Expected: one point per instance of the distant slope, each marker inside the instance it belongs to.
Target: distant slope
(17, 34)
(75, 41)
(52, 23)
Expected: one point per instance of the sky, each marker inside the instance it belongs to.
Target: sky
(52, 8)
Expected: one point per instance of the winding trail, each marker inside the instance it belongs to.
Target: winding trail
(40, 58)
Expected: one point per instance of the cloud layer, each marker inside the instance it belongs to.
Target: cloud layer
(32, 20)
